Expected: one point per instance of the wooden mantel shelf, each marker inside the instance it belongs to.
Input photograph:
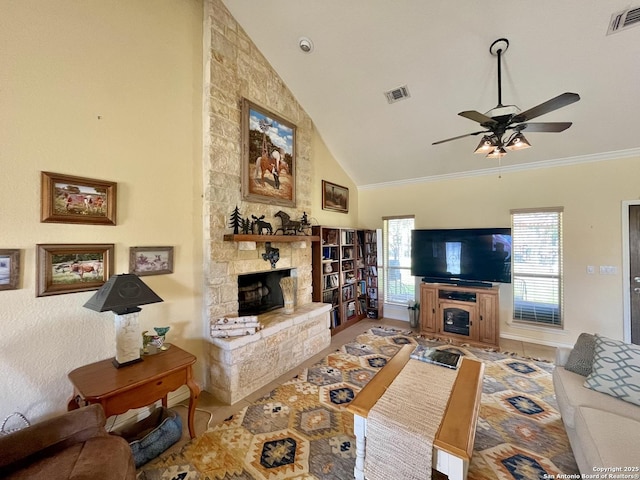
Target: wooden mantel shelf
(270, 238)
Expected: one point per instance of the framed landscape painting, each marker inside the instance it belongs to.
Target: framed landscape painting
(268, 157)
(335, 197)
(150, 260)
(70, 268)
(9, 269)
(69, 199)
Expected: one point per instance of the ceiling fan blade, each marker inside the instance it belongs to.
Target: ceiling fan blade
(549, 106)
(553, 127)
(481, 118)
(461, 136)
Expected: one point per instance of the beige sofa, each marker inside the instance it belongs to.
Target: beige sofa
(604, 431)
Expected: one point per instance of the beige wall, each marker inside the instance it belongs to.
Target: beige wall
(325, 167)
(592, 196)
(113, 91)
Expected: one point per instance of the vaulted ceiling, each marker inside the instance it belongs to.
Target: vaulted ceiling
(439, 49)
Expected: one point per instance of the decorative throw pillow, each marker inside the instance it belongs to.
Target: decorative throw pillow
(581, 357)
(616, 370)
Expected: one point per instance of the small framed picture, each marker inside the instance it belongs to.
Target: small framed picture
(69, 199)
(150, 260)
(70, 268)
(9, 269)
(335, 197)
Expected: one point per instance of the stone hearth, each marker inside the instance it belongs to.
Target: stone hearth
(238, 366)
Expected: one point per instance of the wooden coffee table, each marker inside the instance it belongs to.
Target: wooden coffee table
(121, 389)
(453, 444)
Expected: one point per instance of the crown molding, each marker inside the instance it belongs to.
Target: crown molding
(561, 162)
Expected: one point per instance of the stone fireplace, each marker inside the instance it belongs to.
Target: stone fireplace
(236, 69)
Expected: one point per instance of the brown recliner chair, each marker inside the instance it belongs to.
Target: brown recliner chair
(74, 445)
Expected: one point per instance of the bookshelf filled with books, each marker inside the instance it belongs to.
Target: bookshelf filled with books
(339, 274)
(372, 261)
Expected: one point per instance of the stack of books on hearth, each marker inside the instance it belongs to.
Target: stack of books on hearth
(235, 326)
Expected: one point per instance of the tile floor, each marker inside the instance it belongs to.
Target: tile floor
(211, 412)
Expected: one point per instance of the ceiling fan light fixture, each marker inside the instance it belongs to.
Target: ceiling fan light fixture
(498, 152)
(486, 144)
(518, 142)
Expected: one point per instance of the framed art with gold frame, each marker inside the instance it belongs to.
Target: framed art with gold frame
(335, 197)
(268, 157)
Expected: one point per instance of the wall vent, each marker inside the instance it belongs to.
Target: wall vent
(397, 94)
(624, 19)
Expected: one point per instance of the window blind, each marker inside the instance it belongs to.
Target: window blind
(537, 266)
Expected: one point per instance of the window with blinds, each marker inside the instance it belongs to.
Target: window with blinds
(399, 284)
(537, 266)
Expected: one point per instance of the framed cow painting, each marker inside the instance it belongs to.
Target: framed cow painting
(150, 260)
(70, 268)
(69, 199)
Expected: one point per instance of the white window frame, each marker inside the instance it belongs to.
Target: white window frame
(391, 272)
(537, 270)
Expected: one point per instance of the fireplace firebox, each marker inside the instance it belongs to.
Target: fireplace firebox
(260, 292)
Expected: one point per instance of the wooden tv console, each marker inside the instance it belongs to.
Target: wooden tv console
(463, 314)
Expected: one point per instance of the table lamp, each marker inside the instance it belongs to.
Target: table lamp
(123, 294)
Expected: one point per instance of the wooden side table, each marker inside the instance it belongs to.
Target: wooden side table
(121, 389)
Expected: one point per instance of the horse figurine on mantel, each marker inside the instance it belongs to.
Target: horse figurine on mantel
(289, 227)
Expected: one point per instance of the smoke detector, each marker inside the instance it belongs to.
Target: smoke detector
(397, 94)
(305, 44)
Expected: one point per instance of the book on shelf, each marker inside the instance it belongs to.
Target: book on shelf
(443, 358)
(347, 237)
(335, 318)
(331, 281)
(351, 309)
(330, 296)
(362, 304)
(348, 292)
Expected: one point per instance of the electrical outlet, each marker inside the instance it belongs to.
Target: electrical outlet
(591, 269)
(608, 270)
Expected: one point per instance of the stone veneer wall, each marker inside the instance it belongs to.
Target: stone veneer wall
(236, 69)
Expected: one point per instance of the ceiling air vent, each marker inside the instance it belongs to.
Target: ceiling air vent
(623, 20)
(397, 94)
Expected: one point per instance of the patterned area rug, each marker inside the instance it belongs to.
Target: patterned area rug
(301, 430)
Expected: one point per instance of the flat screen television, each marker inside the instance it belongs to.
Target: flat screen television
(465, 256)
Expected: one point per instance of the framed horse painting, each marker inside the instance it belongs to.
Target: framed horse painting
(70, 268)
(335, 197)
(268, 157)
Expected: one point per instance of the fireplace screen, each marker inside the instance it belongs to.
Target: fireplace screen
(456, 320)
(260, 292)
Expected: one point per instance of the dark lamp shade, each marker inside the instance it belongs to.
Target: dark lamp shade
(122, 294)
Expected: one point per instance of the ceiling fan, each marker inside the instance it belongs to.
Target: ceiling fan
(504, 124)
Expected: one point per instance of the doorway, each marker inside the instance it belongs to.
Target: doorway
(631, 270)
